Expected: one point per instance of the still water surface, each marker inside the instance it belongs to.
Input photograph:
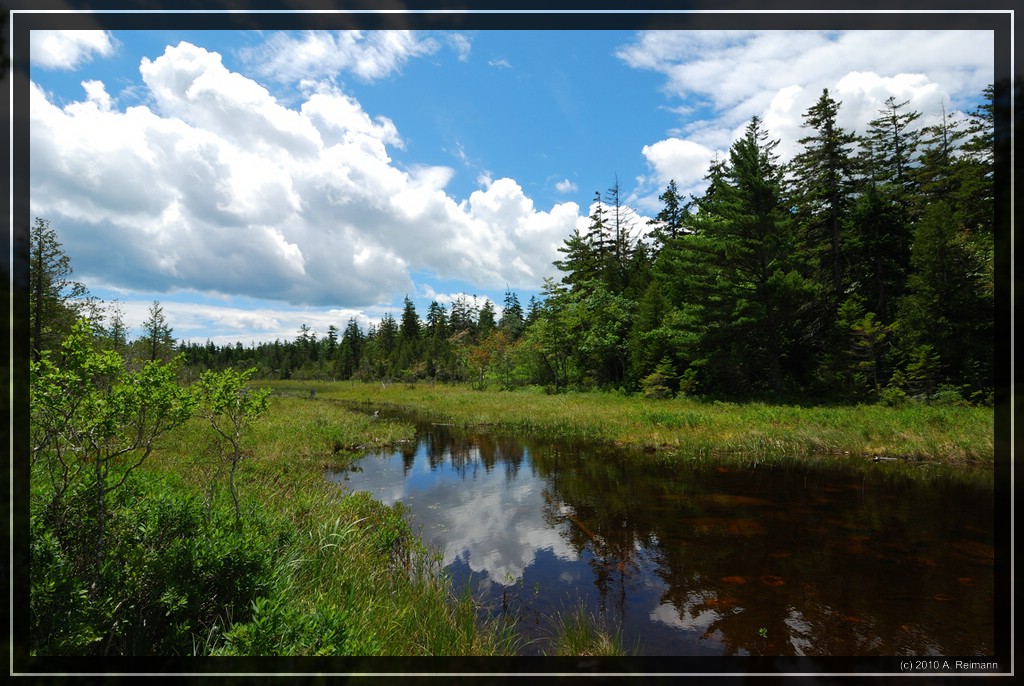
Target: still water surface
(695, 560)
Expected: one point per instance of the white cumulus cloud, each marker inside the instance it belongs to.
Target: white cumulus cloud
(721, 79)
(217, 187)
(61, 49)
(566, 186)
(369, 55)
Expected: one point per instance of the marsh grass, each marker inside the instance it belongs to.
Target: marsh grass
(350, 577)
(580, 634)
(288, 450)
(688, 429)
(361, 585)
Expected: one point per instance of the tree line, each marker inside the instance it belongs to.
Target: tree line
(862, 270)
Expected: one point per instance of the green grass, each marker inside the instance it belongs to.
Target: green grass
(351, 578)
(686, 429)
(577, 633)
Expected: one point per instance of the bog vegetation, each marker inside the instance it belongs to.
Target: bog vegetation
(178, 507)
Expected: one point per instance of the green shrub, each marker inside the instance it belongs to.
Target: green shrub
(61, 616)
(171, 571)
(279, 627)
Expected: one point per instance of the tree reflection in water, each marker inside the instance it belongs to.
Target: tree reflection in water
(696, 560)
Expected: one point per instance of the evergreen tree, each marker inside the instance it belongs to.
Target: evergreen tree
(548, 340)
(879, 250)
(647, 344)
(669, 224)
(976, 171)
(117, 330)
(936, 175)
(437, 321)
(409, 347)
(745, 282)
(463, 317)
(54, 299)
(823, 178)
(620, 231)
(598, 236)
(582, 263)
(865, 347)
(387, 334)
(350, 350)
(331, 342)
(437, 349)
(890, 149)
(512, 320)
(157, 342)
(486, 322)
(410, 327)
(533, 310)
(949, 305)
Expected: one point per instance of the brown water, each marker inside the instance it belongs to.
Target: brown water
(688, 560)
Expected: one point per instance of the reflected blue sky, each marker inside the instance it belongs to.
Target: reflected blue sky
(688, 561)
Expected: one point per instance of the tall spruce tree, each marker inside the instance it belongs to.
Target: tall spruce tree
(350, 350)
(157, 341)
(486, 321)
(54, 299)
(670, 222)
(977, 167)
(949, 306)
(742, 273)
(889, 149)
(620, 229)
(823, 174)
(512, 320)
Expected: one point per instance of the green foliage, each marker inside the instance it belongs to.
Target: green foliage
(55, 301)
(949, 304)
(94, 422)
(919, 377)
(890, 148)
(62, 619)
(824, 172)
(156, 343)
(741, 273)
(231, 407)
(171, 573)
(661, 382)
(579, 634)
(866, 344)
(280, 628)
(669, 224)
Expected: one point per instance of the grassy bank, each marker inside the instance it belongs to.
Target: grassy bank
(307, 569)
(352, 569)
(687, 429)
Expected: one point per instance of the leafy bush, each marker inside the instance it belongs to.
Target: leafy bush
(62, 618)
(278, 627)
(170, 573)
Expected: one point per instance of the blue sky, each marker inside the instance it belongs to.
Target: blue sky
(253, 182)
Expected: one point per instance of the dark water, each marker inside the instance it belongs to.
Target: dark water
(695, 561)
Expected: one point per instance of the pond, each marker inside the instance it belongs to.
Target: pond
(696, 559)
